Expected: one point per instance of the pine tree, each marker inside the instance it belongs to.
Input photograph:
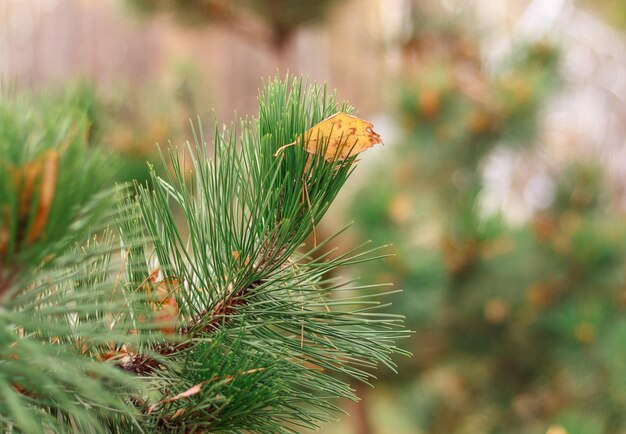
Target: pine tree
(518, 328)
(57, 300)
(187, 306)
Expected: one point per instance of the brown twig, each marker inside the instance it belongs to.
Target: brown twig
(208, 322)
(144, 364)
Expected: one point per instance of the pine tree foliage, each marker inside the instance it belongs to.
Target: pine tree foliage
(57, 307)
(190, 305)
(264, 330)
(519, 328)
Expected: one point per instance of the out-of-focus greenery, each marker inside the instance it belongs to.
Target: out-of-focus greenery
(120, 127)
(519, 329)
(57, 296)
(130, 122)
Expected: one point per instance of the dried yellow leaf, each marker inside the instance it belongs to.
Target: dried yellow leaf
(343, 136)
(338, 137)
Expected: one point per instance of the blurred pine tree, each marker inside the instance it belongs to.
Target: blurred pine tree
(518, 329)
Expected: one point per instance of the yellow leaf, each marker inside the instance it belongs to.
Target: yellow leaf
(339, 136)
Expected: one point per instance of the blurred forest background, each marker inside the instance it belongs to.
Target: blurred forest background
(502, 185)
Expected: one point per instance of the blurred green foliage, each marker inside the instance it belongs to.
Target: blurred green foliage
(111, 125)
(519, 329)
(46, 174)
(130, 122)
(55, 289)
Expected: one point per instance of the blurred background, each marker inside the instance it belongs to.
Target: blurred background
(501, 186)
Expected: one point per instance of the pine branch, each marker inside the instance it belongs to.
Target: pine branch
(235, 331)
(58, 315)
(239, 285)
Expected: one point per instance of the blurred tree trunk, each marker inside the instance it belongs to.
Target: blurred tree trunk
(360, 416)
